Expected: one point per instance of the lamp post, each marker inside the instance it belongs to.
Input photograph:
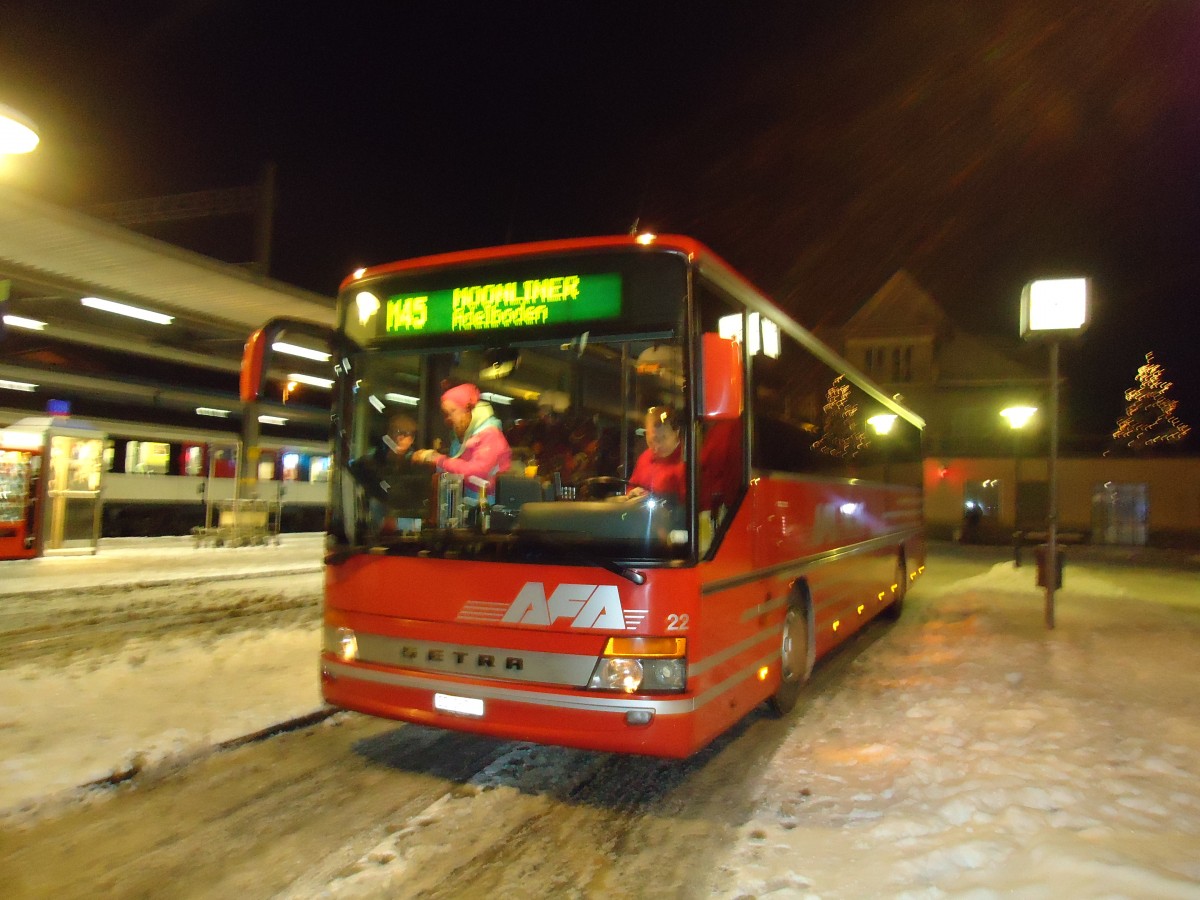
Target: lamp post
(882, 424)
(1051, 309)
(17, 133)
(1018, 417)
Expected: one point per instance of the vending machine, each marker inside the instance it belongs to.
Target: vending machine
(19, 473)
(64, 499)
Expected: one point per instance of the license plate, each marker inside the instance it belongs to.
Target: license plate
(460, 706)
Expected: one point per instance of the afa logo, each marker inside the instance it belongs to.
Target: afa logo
(586, 605)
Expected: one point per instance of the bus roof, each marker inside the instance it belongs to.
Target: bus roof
(679, 243)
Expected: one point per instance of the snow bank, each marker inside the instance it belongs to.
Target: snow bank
(157, 701)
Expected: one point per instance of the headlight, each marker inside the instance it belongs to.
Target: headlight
(635, 665)
(618, 675)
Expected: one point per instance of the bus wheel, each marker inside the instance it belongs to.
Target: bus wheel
(893, 609)
(793, 660)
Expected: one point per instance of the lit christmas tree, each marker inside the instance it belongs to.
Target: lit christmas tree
(1149, 418)
(840, 436)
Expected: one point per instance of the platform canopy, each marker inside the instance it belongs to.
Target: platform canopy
(52, 258)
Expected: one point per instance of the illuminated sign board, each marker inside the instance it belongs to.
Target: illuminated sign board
(513, 304)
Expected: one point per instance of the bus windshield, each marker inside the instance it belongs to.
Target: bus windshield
(560, 411)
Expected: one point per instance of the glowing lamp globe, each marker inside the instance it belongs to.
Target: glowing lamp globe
(17, 133)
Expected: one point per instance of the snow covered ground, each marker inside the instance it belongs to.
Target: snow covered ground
(968, 752)
(973, 753)
(65, 723)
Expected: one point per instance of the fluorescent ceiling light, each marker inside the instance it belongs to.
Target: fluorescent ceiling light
(502, 399)
(16, 385)
(213, 412)
(402, 398)
(22, 322)
(297, 350)
(272, 420)
(124, 309)
(311, 379)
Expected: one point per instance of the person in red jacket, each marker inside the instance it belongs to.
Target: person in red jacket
(660, 469)
(479, 447)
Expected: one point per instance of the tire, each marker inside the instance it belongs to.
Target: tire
(892, 610)
(794, 665)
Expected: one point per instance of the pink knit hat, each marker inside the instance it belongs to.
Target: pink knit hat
(464, 396)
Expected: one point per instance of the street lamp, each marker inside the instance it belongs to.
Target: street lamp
(1018, 417)
(882, 424)
(1051, 309)
(17, 133)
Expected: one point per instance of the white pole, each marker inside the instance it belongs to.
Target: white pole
(1052, 523)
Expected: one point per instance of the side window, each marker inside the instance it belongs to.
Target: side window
(808, 417)
(811, 419)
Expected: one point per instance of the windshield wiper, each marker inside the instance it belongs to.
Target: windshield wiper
(572, 555)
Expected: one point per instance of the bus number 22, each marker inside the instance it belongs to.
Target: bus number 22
(677, 622)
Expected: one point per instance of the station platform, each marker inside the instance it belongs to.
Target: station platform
(160, 560)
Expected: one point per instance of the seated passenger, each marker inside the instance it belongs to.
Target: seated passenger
(479, 447)
(660, 468)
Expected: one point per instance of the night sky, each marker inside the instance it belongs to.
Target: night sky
(817, 146)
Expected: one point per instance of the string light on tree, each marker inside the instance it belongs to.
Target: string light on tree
(1149, 418)
(841, 436)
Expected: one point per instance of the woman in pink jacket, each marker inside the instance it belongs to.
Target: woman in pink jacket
(479, 447)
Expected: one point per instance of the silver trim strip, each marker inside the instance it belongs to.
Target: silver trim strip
(729, 652)
(763, 609)
(799, 565)
(498, 663)
(665, 707)
(534, 698)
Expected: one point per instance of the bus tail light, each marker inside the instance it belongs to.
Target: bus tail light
(346, 645)
(635, 664)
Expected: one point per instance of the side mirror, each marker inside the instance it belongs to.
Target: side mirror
(257, 352)
(721, 360)
(254, 357)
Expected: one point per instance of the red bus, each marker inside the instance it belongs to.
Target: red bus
(543, 600)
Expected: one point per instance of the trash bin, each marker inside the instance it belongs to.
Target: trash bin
(1041, 552)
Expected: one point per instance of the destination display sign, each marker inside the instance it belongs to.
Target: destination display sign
(531, 303)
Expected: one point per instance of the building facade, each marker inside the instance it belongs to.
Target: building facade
(983, 478)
